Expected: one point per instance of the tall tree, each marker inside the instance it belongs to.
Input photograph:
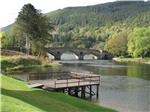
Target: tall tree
(117, 44)
(139, 42)
(34, 27)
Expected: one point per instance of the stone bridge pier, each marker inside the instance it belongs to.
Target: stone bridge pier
(58, 56)
(80, 55)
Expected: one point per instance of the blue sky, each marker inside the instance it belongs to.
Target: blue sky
(9, 8)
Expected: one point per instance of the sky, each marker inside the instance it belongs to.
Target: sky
(9, 8)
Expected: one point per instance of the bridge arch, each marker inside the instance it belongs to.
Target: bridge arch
(90, 57)
(69, 55)
(50, 56)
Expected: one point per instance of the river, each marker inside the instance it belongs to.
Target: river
(123, 87)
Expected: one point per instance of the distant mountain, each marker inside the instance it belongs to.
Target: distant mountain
(98, 15)
(6, 28)
(90, 25)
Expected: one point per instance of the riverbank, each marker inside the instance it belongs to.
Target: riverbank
(18, 97)
(18, 62)
(133, 60)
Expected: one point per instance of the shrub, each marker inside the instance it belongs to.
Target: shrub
(15, 61)
(26, 60)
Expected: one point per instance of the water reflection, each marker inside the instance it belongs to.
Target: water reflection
(125, 94)
(105, 67)
(139, 70)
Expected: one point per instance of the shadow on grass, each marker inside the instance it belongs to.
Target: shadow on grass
(54, 102)
(29, 97)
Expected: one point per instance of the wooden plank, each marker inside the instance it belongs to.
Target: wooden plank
(69, 82)
(64, 83)
(37, 85)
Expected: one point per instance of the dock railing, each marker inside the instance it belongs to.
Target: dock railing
(66, 79)
(78, 81)
(48, 75)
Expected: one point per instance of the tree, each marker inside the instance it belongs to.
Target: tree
(99, 46)
(3, 40)
(34, 27)
(17, 37)
(139, 42)
(117, 44)
(6, 40)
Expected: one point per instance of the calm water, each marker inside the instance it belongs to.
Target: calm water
(124, 87)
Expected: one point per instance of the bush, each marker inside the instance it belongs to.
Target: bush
(5, 65)
(25, 61)
(15, 61)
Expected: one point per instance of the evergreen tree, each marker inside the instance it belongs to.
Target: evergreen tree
(34, 27)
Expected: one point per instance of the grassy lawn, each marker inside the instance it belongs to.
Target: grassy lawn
(133, 60)
(17, 97)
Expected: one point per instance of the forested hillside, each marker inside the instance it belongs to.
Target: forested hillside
(93, 26)
(98, 15)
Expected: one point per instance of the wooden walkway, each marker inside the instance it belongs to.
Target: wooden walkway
(78, 82)
(49, 83)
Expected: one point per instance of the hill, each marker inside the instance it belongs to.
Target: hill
(98, 15)
(6, 28)
(91, 26)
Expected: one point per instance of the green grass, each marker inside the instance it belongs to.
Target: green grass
(133, 60)
(4, 58)
(17, 62)
(17, 97)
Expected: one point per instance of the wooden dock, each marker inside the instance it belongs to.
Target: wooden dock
(78, 84)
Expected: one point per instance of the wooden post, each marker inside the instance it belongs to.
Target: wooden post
(90, 91)
(67, 82)
(63, 90)
(76, 91)
(82, 92)
(97, 93)
(69, 91)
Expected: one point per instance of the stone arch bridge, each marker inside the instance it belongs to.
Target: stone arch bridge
(80, 52)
